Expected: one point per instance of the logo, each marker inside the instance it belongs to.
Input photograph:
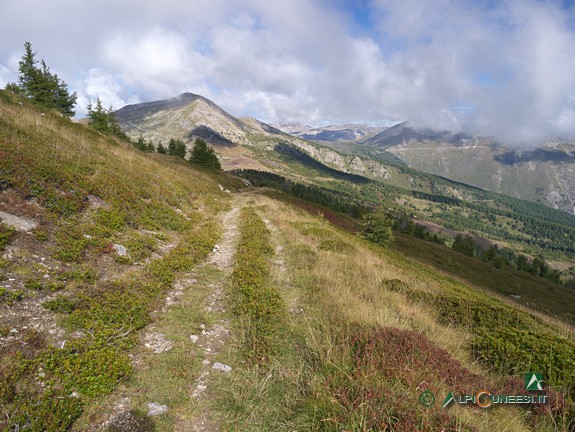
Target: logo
(484, 398)
(427, 399)
(448, 399)
(533, 381)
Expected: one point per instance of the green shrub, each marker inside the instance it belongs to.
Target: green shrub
(6, 235)
(44, 285)
(257, 302)
(70, 244)
(377, 227)
(112, 218)
(60, 304)
(40, 235)
(49, 411)
(10, 297)
(514, 351)
(91, 371)
(140, 246)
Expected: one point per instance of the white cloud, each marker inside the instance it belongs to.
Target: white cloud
(509, 62)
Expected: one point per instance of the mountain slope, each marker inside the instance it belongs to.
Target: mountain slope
(345, 132)
(545, 174)
(245, 143)
(178, 118)
(148, 297)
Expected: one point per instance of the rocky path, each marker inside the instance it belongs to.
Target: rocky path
(200, 293)
(211, 340)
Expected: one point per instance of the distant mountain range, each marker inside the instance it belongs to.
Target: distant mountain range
(545, 174)
(345, 132)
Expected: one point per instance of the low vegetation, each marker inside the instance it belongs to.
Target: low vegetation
(90, 192)
(257, 303)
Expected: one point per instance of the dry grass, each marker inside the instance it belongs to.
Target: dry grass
(337, 279)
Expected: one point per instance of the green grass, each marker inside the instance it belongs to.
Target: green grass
(257, 302)
(6, 235)
(537, 293)
(91, 191)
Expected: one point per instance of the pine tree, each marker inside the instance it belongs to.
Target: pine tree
(181, 149)
(377, 227)
(161, 149)
(104, 120)
(172, 147)
(140, 144)
(203, 155)
(40, 86)
(465, 245)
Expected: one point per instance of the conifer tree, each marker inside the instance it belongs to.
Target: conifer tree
(202, 154)
(377, 227)
(40, 86)
(172, 147)
(104, 120)
(161, 149)
(181, 149)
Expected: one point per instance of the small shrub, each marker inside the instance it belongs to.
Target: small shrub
(88, 275)
(70, 244)
(61, 304)
(10, 297)
(6, 235)
(113, 218)
(40, 235)
(91, 371)
(140, 246)
(49, 411)
(44, 285)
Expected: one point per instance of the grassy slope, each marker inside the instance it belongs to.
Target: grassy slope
(363, 339)
(536, 293)
(86, 192)
(352, 333)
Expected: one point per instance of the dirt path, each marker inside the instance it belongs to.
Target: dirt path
(189, 338)
(212, 339)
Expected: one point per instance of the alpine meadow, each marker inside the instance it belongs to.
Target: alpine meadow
(166, 265)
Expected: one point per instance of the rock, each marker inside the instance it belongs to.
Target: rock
(155, 409)
(157, 342)
(17, 222)
(120, 250)
(221, 367)
(515, 296)
(199, 390)
(194, 338)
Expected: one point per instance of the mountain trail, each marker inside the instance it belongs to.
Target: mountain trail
(212, 339)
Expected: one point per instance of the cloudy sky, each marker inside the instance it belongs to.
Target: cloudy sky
(503, 68)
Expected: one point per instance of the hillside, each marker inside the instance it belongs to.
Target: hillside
(545, 174)
(378, 175)
(140, 293)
